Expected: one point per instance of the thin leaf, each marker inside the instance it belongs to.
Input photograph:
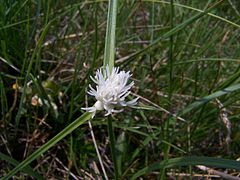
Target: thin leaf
(29, 68)
(208, 98)
(75, 124)
(168, 34)
(120, 147)
(198, 10)
(187, 161)
(27, 169)
(109, 53)
(112, 147)
(176, 29)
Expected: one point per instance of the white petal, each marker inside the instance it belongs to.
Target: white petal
(94, 80)
(117, 111)
(132, 102)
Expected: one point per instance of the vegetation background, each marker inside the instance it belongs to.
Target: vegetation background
(184, 56)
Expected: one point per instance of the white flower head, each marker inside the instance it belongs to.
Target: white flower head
(111, 90)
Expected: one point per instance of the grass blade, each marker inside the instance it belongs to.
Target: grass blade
(174, 30)
(170, 63)
(199, 10)
(109, 53)
(29, 69)
(112, 147)
(190, 160)
(170, 33)
(208, 98)
(27, 169)
(75, 124)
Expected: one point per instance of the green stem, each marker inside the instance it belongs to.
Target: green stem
(171, 53)
(170, 90)
(112, 147)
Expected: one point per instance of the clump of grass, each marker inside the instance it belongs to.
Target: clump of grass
(185, 63)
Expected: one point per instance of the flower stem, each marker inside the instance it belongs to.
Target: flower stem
(112, 147)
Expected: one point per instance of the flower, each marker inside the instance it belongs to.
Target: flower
(111, 91)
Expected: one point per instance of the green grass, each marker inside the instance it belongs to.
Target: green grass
(184, 56)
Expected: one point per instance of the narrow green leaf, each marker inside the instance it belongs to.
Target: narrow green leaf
(195, 9)
(170, 33)
(171, 51)
(208, 98)
(120, 147)
(75, 124)
(187, 161)
(109, 53)
(231, 79)
(29, 68)
(27, 169)
(112, 147)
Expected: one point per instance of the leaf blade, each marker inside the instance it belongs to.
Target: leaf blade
(189, 160)
(75, 124)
